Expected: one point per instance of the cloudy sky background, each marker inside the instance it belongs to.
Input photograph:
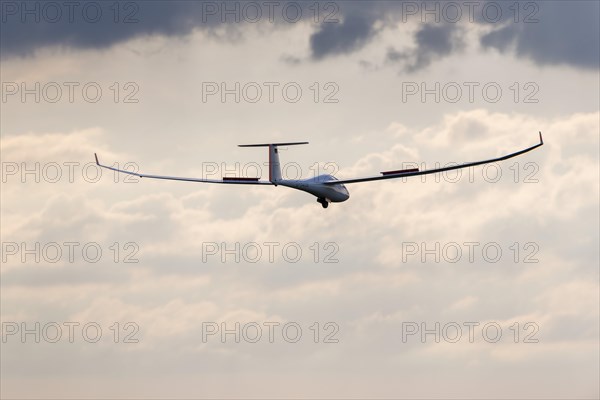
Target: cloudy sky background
(369, 55)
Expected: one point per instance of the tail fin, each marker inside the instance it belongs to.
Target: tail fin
(274, 164)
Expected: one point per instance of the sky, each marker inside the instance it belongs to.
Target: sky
(481, 283)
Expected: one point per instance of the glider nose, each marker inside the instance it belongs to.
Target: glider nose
(345, 193)
(337, 194)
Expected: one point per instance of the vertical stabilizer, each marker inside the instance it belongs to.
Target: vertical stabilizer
(274, 164)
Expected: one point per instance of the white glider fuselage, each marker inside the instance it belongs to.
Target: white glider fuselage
(315, 186)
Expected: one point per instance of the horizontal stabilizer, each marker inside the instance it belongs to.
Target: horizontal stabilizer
(272, 144)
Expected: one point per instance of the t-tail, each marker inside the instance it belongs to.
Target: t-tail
(274, 164)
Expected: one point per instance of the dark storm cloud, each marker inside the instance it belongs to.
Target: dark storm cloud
(27, 26)
(436, 39)
(500, 39)
(30, 25)
(345, 37)
(548, 32)
(565, 33)
(433, 42)
(551, 32)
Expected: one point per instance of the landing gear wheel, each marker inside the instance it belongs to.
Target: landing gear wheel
(323, 202)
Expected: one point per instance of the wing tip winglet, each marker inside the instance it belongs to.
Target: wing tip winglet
(541, 139)
(96, 157)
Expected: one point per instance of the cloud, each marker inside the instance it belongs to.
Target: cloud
(550, 33)
(32, 25)
(91, 25)
(432, 42)
(346, 37)
(371, 290)
(558, 33)
(369, 293)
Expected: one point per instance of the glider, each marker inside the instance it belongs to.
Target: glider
(326, 188)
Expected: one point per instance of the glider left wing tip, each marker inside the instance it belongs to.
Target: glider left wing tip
(96, 157)
(541, 139)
